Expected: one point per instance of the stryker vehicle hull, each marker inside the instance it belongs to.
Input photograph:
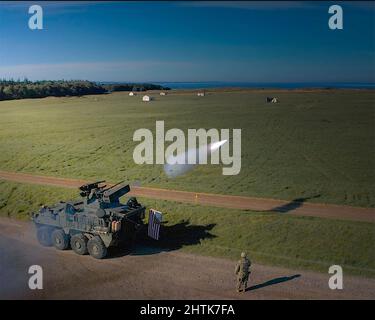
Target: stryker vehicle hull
(92, 225)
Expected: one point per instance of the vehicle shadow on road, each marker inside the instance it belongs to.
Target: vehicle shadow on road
(172, 237)
(294, 204)
(272, 282)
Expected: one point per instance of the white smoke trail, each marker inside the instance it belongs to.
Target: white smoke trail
(180, 165)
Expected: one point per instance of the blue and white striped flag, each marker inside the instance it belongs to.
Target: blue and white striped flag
(154, 221)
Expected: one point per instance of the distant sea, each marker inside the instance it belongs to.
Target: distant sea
(211, 85)
(276, 85)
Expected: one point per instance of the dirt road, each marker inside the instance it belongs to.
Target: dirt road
(226, 201)
(150, 274)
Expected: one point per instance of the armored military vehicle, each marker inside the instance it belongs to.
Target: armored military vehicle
(92, 224)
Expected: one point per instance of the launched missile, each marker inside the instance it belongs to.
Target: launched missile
(179, 164)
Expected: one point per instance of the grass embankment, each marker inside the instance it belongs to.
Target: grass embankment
(275, 239)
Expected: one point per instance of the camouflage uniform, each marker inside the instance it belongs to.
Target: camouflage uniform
(242, 272)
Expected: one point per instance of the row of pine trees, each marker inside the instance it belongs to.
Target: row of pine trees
(21, 89)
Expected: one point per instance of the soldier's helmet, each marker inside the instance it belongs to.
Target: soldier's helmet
(243, 255)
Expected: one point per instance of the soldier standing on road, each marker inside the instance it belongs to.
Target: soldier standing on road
(242, 272)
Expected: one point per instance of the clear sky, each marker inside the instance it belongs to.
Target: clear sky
(186, 41)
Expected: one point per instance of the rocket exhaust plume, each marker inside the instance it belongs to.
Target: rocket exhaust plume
(216, 145)
(181, 165)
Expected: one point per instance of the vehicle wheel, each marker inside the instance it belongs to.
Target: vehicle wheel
(78, 243)
(96, 248)
(44, 236)
(60, 240)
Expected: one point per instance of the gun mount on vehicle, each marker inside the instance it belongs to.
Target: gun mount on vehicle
(93, 224)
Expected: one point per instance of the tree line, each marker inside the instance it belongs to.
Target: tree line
(133, 87)
(21, 89)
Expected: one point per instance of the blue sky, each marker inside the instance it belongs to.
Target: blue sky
(189, 41)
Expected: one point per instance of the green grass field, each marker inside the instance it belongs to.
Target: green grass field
(291, 241)
(317, 145)
(310, 144)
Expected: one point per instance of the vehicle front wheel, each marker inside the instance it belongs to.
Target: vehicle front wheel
(60, 240)
(78, 243)
(44, 236)
(96, 248)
